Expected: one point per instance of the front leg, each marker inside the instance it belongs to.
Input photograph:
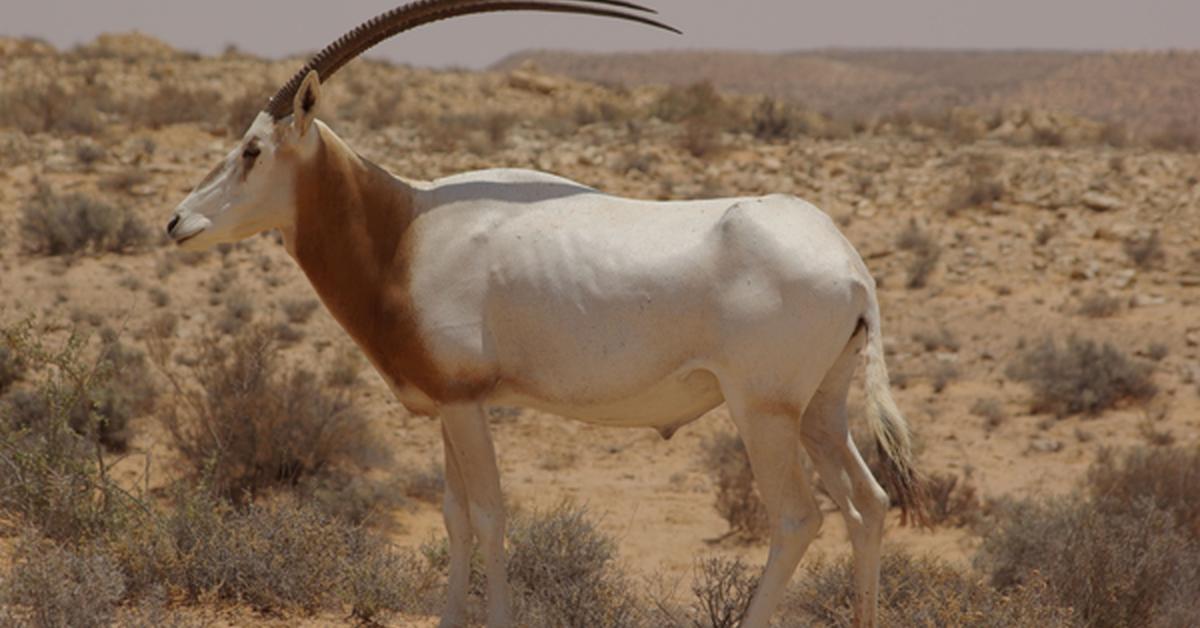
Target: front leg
(469, 443)
(458, 529)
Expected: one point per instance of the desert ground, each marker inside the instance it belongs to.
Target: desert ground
(992, 227)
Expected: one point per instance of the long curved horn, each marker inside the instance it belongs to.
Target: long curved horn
(415, 14)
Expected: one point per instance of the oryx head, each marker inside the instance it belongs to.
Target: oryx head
(251, 190)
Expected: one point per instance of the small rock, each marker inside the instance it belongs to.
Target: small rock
(1046, 445)
(1124, 278)
(1100, 202)
(1146, 300)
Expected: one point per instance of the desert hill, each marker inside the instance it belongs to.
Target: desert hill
(1147, 91)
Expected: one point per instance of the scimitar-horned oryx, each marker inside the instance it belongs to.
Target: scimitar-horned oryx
(523, 288)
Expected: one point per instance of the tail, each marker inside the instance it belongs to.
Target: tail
(903, 483)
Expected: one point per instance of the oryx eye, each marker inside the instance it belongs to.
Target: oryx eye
(251, 153)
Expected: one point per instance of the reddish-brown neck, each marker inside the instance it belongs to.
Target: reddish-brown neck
(352, 238)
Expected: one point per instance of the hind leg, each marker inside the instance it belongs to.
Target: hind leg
(863, 503)
(772, 442)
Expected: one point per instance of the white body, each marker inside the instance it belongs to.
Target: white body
(626, 312)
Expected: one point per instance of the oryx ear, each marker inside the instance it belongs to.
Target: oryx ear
(304, 107)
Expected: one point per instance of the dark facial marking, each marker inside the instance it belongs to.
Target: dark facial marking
(249, 156)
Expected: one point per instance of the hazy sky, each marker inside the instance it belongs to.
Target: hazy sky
(278, 27)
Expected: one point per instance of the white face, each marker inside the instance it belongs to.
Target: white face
(248, 192)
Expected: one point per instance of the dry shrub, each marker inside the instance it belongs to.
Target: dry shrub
(919, 591)
(737, 500)
(124, 180)
(1145, 252)
(352, 498)
(49, 108)
(564, 572)
(1168, 477)
(51, 585)
(278, 555)
(701, 137)
(773, 120)
(1178, 135)
(926, 253)
(942, 339)
(477, 133)
(103, 414)
(426, 484)
(943, 374)
(1114, 134)
(1080, 377)
(252, 424)
(981, 186)
(65, 225)
(991, 410)
(12, 368)
(298, 311)
(96, 545)
(702, 113)
(175, 105)
(344, 369)
(242, 110)
(1099, 305)
(698, 100)
(723, 590)
(1126, 566)
(53, 477)
(953, 501)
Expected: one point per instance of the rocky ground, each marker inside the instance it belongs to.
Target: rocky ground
(983, 246)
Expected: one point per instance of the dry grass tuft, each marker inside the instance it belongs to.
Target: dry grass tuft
(1081, 377)
(737, 500)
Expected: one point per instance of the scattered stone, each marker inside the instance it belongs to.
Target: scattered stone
(1147, 300)
(1100, 202)
(1046, 445)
